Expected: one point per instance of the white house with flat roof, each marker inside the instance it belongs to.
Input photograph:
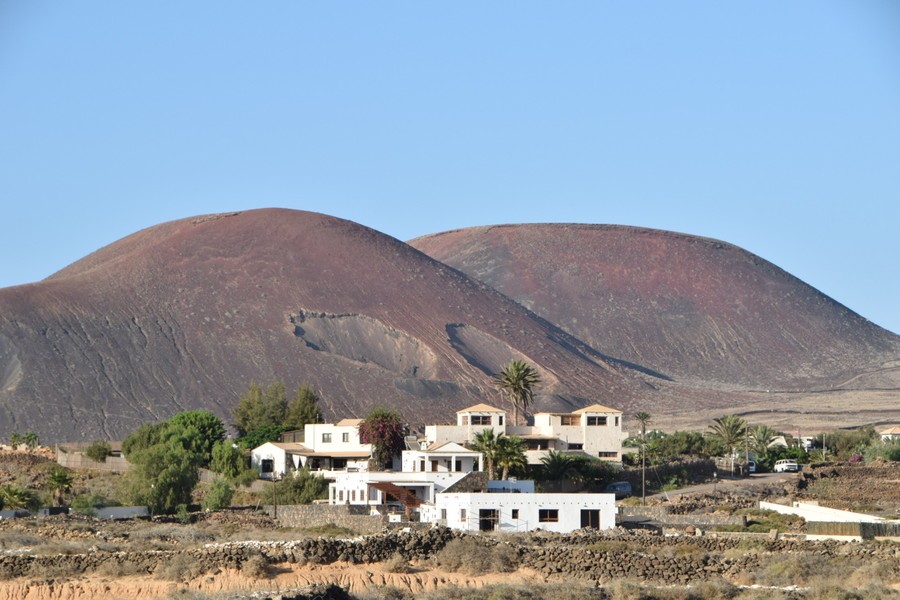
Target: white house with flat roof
(511, 512)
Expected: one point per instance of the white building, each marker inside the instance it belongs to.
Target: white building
(324, 447)
(390, 489)
(594, 430)
(521, 511)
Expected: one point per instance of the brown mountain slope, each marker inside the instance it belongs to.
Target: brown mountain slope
(185, 314)
(696, 309)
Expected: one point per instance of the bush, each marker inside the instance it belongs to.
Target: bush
(301, 487)
(256, 567)
(397, 564)
(180, 567)
(98, 451)
(468, 556)
(219, 495)
(86, 503)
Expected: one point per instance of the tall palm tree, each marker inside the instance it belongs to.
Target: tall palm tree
(644, 419)
(729, 430)
(760, 438)
(510, 455)
(516, 382)
(488, 444)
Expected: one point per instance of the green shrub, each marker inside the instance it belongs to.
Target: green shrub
(98, 451)
(219, 495)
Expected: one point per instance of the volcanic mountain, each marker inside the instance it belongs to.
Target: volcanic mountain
(695, 309)
(184, 315)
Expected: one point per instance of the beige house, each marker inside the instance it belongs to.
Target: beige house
(594, 430)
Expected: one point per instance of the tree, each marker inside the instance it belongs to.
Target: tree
(385, 430)
(164, 475)
(303, 409)
(166, 457)
(258, 408)
(510, 455)
(557, 466)
(730, 430)
(643, 418)
(207, 431)
(487, 443)
(59, 482)
(226, 459)
(516, 383)
(760, 438)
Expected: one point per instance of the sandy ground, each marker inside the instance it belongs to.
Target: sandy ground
(356, 578)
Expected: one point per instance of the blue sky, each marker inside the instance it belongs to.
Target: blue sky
(771, 125)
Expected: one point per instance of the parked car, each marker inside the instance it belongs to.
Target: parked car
(786, 465)
(622, 489)
(751, 466)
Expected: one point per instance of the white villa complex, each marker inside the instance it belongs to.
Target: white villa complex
(594, 430)
(441, 479)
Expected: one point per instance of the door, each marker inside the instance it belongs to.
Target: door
(590, 518)
(488, 519)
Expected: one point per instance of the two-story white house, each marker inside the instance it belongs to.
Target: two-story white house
(322, 447)
(595, 431)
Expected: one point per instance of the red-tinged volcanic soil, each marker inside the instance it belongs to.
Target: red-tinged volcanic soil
(698, 310)
(186, 314)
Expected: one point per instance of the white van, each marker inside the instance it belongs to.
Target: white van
(786, 465)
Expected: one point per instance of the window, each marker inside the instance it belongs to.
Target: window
(345, 437)
(458, 466)
(443, 514)
(340, 495)
(617, 421)
(462, 515)
(481, 420)
(515, 513)
(548, 515)
(362, 495)
(267, 465)
(576, 446)
(596, 421)
(500, 420)
(352, 495)
(569, 420)
(608, 454)
(326, 438)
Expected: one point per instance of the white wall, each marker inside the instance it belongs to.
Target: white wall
(569, 507)
(268, 451)
(814, 512)
(425, 485)
(313, 433)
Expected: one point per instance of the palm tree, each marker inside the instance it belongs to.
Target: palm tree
(730, 430)
(510, 455)
(14, 496)
(59, 481)
(760, 438)
(488, 444)
(556, 466)
(643, 418)
(516, 382)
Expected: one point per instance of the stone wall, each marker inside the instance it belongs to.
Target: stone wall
(356, 518)
(590, 557)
